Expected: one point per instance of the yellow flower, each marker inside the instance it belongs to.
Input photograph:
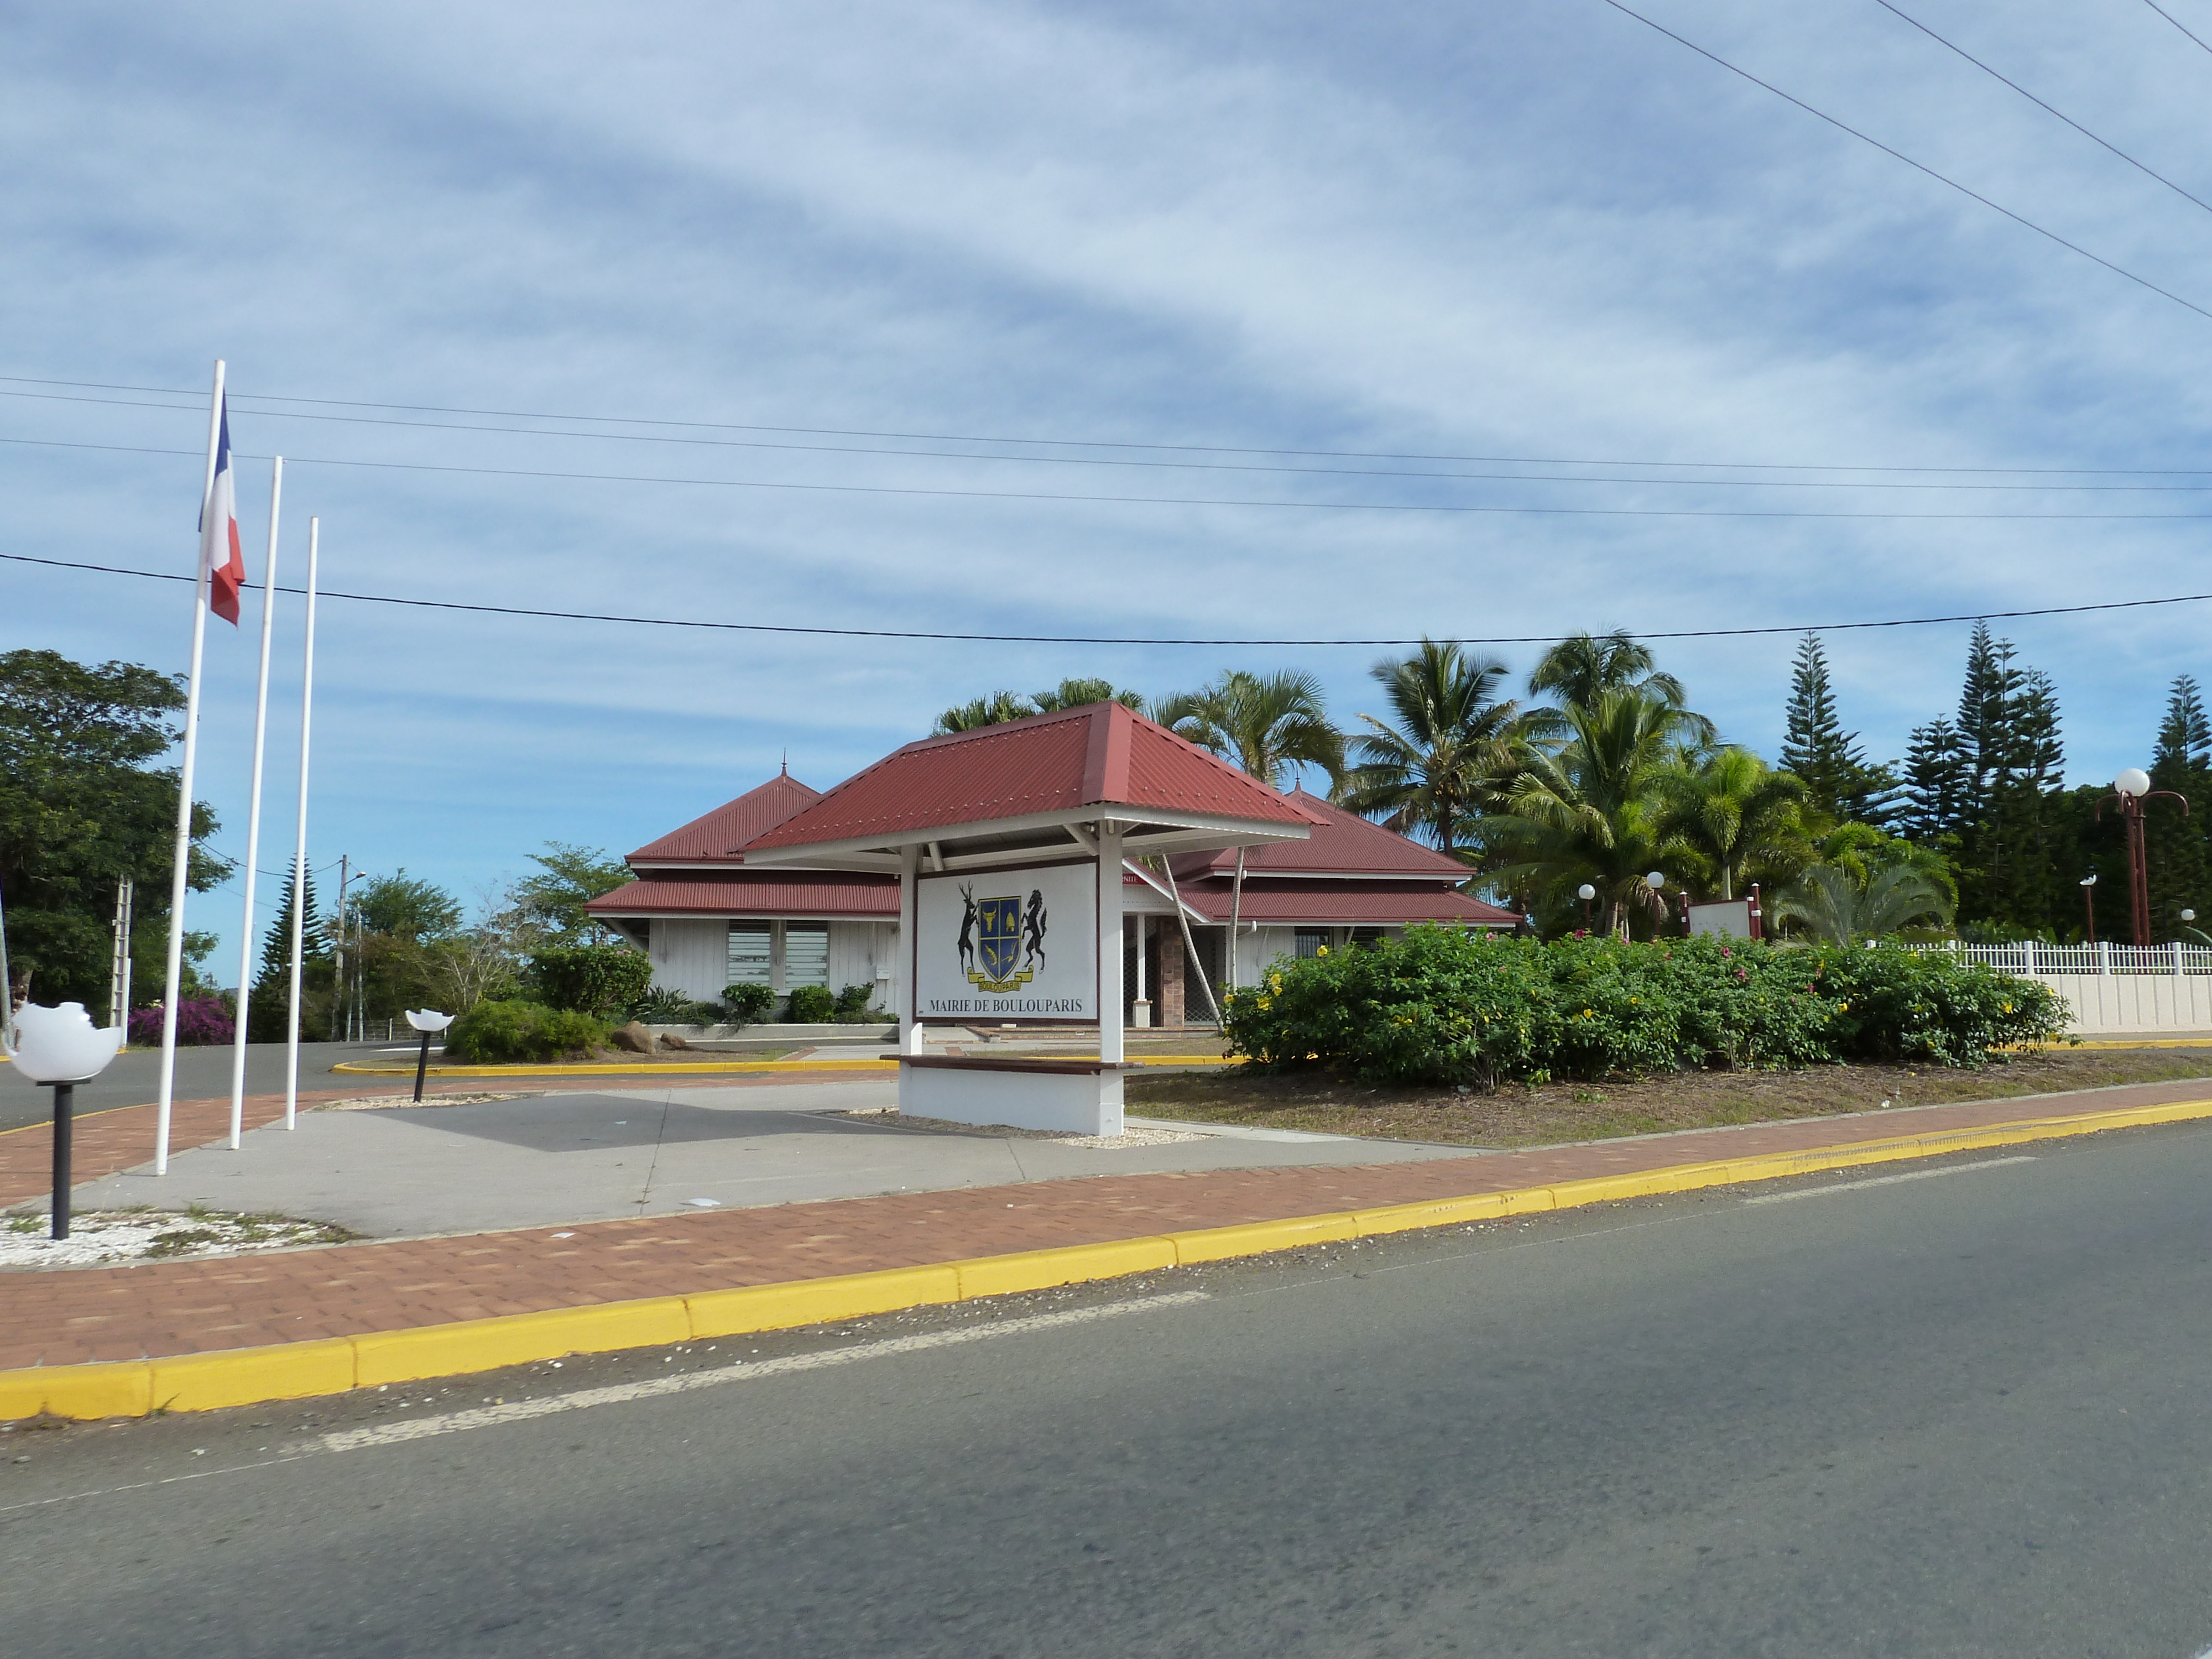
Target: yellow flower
(1320, 950)
(1842, 1007)
(1586, 1014)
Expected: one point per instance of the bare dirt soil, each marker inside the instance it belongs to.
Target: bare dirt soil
(1549, 1114)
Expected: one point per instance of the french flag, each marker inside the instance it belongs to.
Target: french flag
(222, 564)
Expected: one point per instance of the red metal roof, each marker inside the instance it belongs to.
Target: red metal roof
(1342, 843)
(1359, 904)
(1100, 755)
(756, 893)
(720, 832)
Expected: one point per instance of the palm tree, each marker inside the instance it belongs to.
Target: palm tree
(1583, 667)
(1588, 809)
(1452, 746)
(1074, 693)
(1828, 904)
(1732, 809)
(1268, 724)
(995, 710)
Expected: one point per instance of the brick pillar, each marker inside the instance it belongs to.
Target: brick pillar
(1167, 1000)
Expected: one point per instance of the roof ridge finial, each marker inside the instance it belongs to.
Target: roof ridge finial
(786, 763)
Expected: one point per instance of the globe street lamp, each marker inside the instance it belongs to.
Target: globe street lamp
(2090, 900)
(60, 1048)
(429, 1022)
(1653, 881)
(2131, 789)
(1586, 893)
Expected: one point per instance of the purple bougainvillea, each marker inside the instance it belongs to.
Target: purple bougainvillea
(202, 1024)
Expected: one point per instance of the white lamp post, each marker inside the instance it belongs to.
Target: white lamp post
(1586, 893)
(429, 1022)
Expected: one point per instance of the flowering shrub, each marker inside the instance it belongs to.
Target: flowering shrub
(205, 1023)
(1445, 1007)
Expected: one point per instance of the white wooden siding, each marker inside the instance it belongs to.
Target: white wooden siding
(692, 957)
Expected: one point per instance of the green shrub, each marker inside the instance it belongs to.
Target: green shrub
(853, 1006)
(750, 1003)
(591, 978)
(663, 1006)
(811, 1004)
(501, 1033)
(1445, 1007)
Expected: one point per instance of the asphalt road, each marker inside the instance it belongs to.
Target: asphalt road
(1965, 1414)
(134, 1077)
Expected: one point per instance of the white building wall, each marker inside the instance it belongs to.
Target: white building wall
(1257, 947)
(692, 957)
(858, 950)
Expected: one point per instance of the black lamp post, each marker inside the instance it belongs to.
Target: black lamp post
(429, 1022)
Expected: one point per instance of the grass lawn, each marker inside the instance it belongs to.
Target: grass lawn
(1547, 1113)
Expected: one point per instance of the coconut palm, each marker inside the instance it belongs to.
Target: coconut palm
(1583, 667)
(1732, 809)
(995, 710)
(1449, 751)
(1588, 809)
(1074, 693)
(1269, 724)
(1826, 903)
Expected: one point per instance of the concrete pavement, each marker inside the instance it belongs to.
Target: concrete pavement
(592, 1156)
(1960, 1415)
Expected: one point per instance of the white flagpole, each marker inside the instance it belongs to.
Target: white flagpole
(253, 811)
(172, 985)
(299, 849)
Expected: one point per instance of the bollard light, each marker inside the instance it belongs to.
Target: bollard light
(429, 1022)
(60, 1048)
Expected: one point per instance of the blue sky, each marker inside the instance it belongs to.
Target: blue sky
(1512, 231)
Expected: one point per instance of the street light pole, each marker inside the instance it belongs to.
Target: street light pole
(2131, 789)
(2090, 900)
(1586, 893)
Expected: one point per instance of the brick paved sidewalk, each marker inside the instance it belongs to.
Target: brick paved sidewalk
(65, 1316)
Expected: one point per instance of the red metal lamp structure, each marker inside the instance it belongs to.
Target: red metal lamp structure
(2131, 789)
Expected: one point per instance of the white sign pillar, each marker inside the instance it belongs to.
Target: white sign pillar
(1110, 944)
(909, 1008)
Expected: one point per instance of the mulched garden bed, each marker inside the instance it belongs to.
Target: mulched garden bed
(1549, 1114)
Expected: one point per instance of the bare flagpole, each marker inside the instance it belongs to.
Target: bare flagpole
(253, 811)
(172, 986)
(299, 848)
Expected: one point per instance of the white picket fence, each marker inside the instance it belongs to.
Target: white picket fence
(2103, 958)
(2109, 988)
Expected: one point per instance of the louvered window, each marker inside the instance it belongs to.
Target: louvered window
(805, 954)
(1311, 939)
(751, 960)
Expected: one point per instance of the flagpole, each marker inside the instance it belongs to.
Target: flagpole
(181, 867)
(253, 811)
(299, 848)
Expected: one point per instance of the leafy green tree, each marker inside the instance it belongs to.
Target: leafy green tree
(568, 877)
(1449, 750)
(1840, 781)
(1937, 804)
(1270, 724)
(406, 907)
(269, 1003)
(1731, 809)
(82, 807)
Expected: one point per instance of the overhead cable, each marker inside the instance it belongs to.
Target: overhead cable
(238, 397)
(941, 493)
(1950, 46)
(1917, 167)
(1116, 639)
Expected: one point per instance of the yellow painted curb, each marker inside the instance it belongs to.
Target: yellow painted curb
(872, 1064)
(296, 1371)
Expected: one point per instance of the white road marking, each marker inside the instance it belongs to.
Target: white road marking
(391, 1434)
(520, 1411)
(1888, 1180)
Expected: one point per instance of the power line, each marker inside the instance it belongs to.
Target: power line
(2176, 21)
(1917, 167)
(1103, 443)
(1111, 639)
(1478, 508)
(1197, 466)
(2139, 167)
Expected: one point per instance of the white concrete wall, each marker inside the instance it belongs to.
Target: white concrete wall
(2134, 1002)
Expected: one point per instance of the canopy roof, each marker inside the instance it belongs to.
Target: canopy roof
(1023, 791)
(1343, 844)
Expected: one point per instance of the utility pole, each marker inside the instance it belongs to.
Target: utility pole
(118, 972)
